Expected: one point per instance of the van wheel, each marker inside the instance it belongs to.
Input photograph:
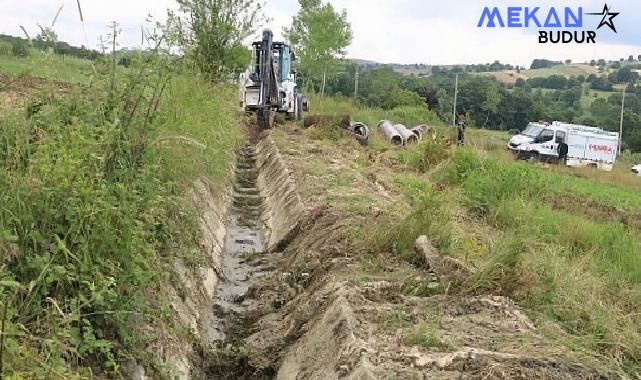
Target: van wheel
(534, 156)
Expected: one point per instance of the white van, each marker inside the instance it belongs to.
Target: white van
(587, 146)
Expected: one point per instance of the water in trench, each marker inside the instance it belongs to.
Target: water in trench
(243, 245)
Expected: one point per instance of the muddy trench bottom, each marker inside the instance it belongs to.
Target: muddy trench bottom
(243, 264)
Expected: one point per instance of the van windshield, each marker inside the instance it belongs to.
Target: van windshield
(532, 131)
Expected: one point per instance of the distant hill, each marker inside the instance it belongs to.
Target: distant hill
(569, 70)
(423, 69)
(407, 69)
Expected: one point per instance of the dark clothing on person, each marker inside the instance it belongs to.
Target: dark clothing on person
(563, 152)
(460, 136)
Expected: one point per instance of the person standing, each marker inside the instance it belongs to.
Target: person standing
(562, 150)
(460, 135)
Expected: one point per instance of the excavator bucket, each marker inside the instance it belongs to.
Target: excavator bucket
(265, 118)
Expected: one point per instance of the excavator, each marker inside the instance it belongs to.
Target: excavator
(269, 85)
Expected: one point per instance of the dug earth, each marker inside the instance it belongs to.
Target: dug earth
(323, 307)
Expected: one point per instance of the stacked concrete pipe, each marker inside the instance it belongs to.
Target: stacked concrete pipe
(390, 133)
(408, 136)
(422, 130)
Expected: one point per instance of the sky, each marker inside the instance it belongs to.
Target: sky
(388, 31)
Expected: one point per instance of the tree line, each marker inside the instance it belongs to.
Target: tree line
(491, 104)
(19, 47)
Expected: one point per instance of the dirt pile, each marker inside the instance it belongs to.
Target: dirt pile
(321, 326)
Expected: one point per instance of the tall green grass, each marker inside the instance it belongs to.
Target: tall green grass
(407, 115)
(49, 66)
(582, 273)
(93, 213)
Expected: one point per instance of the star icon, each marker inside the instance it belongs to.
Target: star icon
(607, 18)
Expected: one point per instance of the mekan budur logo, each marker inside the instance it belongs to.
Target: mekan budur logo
(550, 19)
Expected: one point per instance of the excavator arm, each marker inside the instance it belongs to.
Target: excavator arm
(268, 83)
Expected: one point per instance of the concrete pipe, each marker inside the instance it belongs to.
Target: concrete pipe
(390, 133)
(408, 136)
(422, 130)
(360, 131)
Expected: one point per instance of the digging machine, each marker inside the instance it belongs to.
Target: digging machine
(269, 85)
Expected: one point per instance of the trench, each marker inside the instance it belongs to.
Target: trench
(242, 245)
(264, 213)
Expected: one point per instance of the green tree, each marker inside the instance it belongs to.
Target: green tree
(212, 33)
(624, 75)
(319, 35)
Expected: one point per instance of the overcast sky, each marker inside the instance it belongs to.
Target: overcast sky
(399, 31)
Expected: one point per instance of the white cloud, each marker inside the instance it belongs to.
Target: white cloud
(98, 15)
(429, 31)
(403, 31)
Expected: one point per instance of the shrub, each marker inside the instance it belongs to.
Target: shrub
(6, 48)
(93, 215)
(20, 49)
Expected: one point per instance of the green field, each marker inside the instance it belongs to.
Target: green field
(565, 70)
(587, 100)
(54, 67)
(563, 242)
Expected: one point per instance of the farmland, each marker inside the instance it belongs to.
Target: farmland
(510, 76)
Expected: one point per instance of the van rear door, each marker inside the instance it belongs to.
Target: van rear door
(577, 143)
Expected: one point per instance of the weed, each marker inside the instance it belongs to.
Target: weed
(427, 154)
(398, 319)
(93, 214)
(423, 288)
(503, 270)
(426, 334)
(425, 218)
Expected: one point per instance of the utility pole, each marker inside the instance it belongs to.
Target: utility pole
(356, 83)
(455, 94)
(625, 86)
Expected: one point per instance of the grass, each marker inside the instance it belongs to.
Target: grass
(53, 67)
(581, 273)
(426, 334)
(408, 115)
(397, 319)
(93, 214)
(589, 98)
(566, 70)
(550, 238)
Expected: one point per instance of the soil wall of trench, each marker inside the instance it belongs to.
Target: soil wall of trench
(193, 290)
